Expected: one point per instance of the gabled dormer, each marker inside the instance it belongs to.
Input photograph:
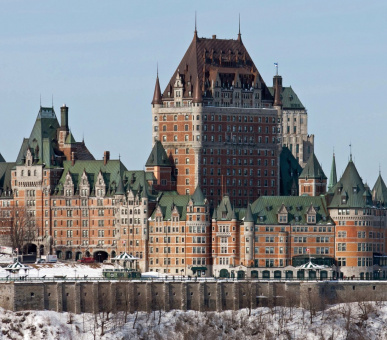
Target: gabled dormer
(100, 186)
(158, 215)
(344, 197)
(29, 158)
(68, 185)
(84, 185)
(175, 215)
(283, 214)
(311, 215)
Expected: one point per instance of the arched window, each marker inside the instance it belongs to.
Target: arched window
(29, 172)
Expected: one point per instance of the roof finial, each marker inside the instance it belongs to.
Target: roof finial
(157, 69)
(196, 31)
(380, 172)
(119, 157)
(40, 100)
(239, 31)
(52, 100)
(350, 151)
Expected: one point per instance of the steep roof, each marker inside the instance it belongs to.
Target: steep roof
(198, 196)
(350, 192)
(70, 139)
(169, 201)
(225, 210)
(5, 176)
(265, 209)
(206, 58)
(158, 156)
(289, 98)
(379, 191)
(333, 175)
(157, 93)
(289, 171)
(313, 169)
(248, 215)
(1, 158)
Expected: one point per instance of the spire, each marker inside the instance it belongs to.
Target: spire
(333, 175)
(197, 95)
(120, 188)
(239, 32)
(196, 32)
(350, 151)
(312, 169)
(157, 94)
(198, 196)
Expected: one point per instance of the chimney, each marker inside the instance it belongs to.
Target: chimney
(106, 157)
(214, 36)
(64, 116)
(73, 158)
(277, 84)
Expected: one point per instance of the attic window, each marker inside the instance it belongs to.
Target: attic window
(282, 218)
(261, 218)
(224, 214)
(311, 219)
(297, 218)
(354, 190)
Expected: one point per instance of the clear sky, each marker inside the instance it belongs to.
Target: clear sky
(99, 57)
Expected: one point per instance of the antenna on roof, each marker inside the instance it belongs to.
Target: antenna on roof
(52, 100)
(379, 170)
(40, 100)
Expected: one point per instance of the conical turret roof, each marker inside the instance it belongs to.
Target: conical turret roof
(313, 169)
(120, 188)
(157, 93)
(249, 215)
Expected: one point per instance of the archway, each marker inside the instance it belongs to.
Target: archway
(30, 248)
(254, 274)
(59, 254)
(78, 255)
(69, 255)
(266, 274)
(100, 256)
(289, 274)
(87, 254)
(241, 274)
(41, 250)
(367, 276)
(277, 274)
(224, 273)
(113, 254)
(361, 276)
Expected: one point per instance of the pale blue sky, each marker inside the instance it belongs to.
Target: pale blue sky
(100, 59)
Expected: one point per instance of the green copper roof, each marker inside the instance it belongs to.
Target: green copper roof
(289, 171)
(158, 156)
(198, 196)
(169, 201)
(289, 98)
(379, 191)
(265, 209)
(45, 127)
(312, 169)
(333, 176)
(1, 158)
(120, 187)
(5, 176)
(248, 214)
(350, 192)
(70, 139)
(225, 210)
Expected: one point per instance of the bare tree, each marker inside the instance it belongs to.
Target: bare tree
(22, 228)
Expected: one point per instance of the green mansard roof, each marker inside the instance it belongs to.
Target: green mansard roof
(198, 197)
(170, 200)
(265, 209)
(289, 99)
(313, 169)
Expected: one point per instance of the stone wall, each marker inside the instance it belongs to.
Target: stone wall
(94, 297)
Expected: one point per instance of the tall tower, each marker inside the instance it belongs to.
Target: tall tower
(217, 123)
(312, 180)
(294, 118)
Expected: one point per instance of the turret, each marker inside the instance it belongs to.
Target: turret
(333, 175)
(197, 97)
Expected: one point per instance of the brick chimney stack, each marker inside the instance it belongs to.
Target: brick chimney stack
(73, 158)
(106, 157)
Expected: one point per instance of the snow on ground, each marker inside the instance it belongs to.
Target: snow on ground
(69, 269)
(355, 321)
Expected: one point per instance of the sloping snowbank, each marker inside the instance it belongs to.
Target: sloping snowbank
(355, 321)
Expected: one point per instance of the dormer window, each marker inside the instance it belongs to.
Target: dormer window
(282, 218)
(343, 199)
(260, 218)
(311, 219)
